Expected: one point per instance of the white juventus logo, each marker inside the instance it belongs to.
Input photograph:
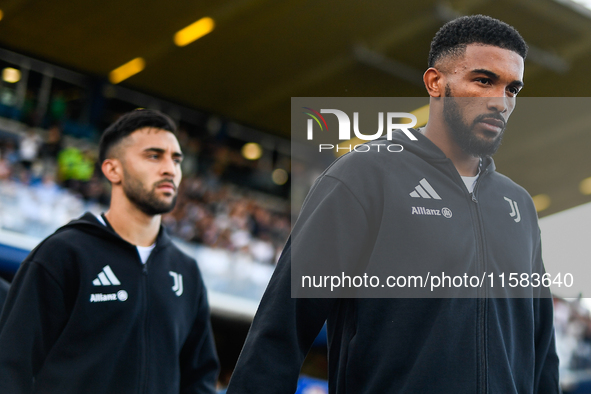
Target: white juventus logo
(177, 287)
(514, 210)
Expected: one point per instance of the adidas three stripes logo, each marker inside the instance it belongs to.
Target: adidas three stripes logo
(106, 278)
(424, 190)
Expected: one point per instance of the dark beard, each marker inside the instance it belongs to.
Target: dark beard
(145, 201)
(462, 134)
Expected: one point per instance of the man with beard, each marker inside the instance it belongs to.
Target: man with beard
(108, 304)
(439, 205)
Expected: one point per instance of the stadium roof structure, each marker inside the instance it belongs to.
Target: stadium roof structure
(261, 53)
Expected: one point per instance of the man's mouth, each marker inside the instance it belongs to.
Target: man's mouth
(492, 124)
(168, 186)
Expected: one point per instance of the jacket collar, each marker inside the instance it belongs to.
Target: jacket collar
(90, 224)
(425, 148)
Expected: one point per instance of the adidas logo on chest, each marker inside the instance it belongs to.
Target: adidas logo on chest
(106, 278)
(424, 190)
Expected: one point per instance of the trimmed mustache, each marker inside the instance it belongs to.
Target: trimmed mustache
(495, 116)
(170, 181)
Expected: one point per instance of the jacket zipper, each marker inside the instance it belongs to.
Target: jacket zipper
(482, 296)
(482, 301)
(144, 360)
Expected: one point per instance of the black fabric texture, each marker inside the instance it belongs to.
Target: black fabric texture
(64, 331)
(407, 345)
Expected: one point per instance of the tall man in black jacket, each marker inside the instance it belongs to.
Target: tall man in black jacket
(108, 304)
(375, 209)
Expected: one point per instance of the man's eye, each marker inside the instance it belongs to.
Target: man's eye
(485, 81)
(514, 90)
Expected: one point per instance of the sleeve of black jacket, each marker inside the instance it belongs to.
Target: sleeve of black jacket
(32, 319)
(4, 286)
(332, 224)
(546, 374)
(198, 359)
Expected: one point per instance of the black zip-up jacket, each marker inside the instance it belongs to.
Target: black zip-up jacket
(84, 315)
(361, 209)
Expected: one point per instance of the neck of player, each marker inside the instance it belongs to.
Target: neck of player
(466, 164)
(132, 224)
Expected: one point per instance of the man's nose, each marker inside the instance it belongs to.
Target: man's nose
(169, 166)
(499, 104)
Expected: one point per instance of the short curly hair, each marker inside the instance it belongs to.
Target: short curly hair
(454, 36)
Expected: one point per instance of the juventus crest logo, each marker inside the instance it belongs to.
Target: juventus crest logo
(514, 210)
(177, 287)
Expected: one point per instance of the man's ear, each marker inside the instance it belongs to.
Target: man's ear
(433, 79)
(113, 170)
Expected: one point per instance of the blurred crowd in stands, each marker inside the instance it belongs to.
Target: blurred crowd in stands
(225, 216)
(572, 322)
(210, 209)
